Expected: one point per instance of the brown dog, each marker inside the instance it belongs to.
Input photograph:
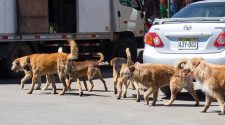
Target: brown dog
(88, 69)
(152, 76)
(46, 64)
(21, 64)
(180, 80)
(212, 78)
(119, 65)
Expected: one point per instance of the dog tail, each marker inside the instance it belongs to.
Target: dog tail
(129, 62)
(73, 49)
(101, 58)
(60, 50)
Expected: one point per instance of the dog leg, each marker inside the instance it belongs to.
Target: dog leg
(69, 82)
(115, 79)
(138, 91)
(85, 84)
(220, 99)
(34, 80)
(208, 101)
(48, 81)
(99, 75)
(155, 96)
(174, 90)
(120, 87)
(92, 84)
(24, 79)
(63, 80)
(80, 88)
(125, 88)
(38, 84)
(147, 93)
(52, 80)
(193, 94)
(68, 85)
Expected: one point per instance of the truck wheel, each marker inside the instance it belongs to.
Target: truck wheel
(18, 51)
(120, 46)
(166, 90)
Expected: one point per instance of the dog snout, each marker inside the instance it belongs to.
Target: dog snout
(13, 68)
(187, 71)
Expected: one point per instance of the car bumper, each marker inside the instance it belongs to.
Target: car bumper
(150, 55)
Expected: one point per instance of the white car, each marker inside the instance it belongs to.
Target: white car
(198, 30)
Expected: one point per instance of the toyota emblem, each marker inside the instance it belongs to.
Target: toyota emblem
(187, 27)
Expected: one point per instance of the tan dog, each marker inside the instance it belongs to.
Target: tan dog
(46, 64)
(180, 80)
(152, 76)
(119, 65)
(88, 69)
(21, 64)
(212, 78)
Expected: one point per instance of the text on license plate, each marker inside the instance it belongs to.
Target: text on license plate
(188, 44)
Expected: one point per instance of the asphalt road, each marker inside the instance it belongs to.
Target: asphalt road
(97, 107)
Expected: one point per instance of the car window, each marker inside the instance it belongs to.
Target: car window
(211, 9)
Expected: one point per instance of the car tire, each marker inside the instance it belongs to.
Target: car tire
(166, 90)
(120, 46)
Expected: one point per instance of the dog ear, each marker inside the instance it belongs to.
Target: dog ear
(196, 61)
(131, 68)
(112, 61)
(27, 59)
(181, 65)
(17, 62)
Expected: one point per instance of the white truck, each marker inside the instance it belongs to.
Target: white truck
(42, 26)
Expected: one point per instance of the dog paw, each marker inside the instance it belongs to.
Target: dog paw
(153, 104)
(44, 89)
(22, 86)
(38, 88)
(61, 93)
(167, 104)
(196, 104)
(81, 94)
(202, 111)
(138, 100)
(53, 93)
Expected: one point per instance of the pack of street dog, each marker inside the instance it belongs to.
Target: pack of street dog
(125, 72)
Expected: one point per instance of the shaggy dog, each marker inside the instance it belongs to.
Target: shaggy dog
(152, 76)
(46, 64)
(180, 80)
(212, 78)
(119, 65)
(22, 65)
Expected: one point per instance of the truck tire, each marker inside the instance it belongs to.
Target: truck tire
(18, 51)
(166, 90)
(120, 46)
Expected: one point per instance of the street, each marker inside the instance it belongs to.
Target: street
(97, 107)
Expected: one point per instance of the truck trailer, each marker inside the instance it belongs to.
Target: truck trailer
(42, 26)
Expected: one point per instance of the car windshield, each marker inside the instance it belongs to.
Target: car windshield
(210, 9)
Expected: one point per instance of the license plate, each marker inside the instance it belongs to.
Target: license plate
(188, 44)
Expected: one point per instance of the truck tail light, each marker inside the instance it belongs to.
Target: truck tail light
(220, 40)
(153, 39)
